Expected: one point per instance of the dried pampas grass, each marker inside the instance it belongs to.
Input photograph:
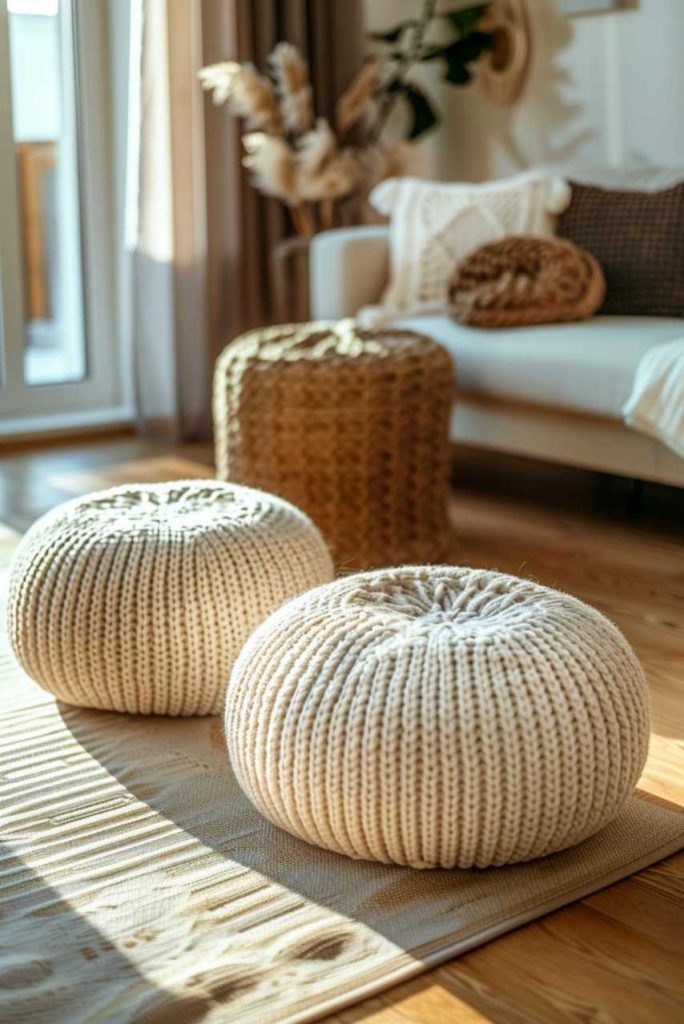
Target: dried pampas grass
(334, 181)
(356, 102)
(291, 75)
(271, 162)
(219, 79)
(324, 170)
(317, 147)
(248, 93)
(302, 161)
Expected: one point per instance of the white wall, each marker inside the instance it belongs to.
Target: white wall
(602, 89)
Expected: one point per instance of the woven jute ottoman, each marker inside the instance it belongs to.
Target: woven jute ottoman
(438, 717)
(139, 598)
(349, 425)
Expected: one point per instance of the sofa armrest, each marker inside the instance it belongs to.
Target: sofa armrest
(348, 268)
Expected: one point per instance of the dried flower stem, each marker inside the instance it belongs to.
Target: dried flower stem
(327, 212)
(302, 220)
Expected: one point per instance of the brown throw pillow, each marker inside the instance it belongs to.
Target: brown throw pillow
(525, 280)
(638, 238)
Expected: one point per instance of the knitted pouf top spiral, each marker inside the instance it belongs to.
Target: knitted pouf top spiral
(437, 716)
(139, 598)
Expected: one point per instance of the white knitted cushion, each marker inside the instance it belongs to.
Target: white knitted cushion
(139, 598)
(437, 716)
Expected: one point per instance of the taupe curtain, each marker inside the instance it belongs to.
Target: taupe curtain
(243, 227)
(202, 237)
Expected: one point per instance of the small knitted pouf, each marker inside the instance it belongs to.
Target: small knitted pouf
(438, 717)
(349, 425)
(139, 598)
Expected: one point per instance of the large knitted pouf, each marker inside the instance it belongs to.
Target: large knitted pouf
(438, 717)
(139, 598)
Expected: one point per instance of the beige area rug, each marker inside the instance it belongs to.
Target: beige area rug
(138, 885)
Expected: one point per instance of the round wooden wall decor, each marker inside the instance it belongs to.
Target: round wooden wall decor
(502, 71)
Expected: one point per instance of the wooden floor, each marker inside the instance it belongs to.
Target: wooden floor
(617, 956)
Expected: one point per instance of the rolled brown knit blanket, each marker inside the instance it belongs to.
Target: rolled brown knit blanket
(526, 280)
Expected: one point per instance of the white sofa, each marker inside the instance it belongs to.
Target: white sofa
(551, 392)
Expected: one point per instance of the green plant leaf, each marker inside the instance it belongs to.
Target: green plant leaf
(457, 56)
(465, 19)
(434, 52)
(457, 74)
(392, 35)
(424, 116)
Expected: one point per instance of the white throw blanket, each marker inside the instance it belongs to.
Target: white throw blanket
(656, 404)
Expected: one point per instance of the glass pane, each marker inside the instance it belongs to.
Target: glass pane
(45, 138)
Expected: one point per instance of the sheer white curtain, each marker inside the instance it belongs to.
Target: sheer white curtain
(166, 220)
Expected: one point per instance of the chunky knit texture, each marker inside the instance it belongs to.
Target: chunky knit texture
(438, 716)
(526, 280)
(139, 598)
(351, 426)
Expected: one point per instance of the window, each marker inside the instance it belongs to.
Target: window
(60, 365)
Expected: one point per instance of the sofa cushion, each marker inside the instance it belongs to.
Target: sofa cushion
(524, 280)
(434, 225)
(638, 238)
(585, 367)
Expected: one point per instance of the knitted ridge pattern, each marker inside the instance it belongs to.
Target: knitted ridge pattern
(526, 280)
(139, 598)
(438, 717)
(352, 426)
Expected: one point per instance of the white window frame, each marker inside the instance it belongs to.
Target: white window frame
(103, 396)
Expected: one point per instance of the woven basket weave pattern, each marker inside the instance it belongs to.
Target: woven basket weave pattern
(351, 426)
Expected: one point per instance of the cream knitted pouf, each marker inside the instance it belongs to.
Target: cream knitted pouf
(438, 717)
(139, 598)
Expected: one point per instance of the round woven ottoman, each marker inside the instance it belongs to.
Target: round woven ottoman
(437, 717)
(351, 426)
(139, 598)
